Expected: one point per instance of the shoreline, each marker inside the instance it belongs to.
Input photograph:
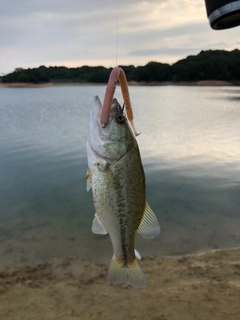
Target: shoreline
(178, 288)
(130, 83)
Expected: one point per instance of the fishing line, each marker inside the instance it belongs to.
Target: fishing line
(117, 13)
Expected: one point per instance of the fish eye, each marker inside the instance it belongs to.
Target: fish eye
(119, 118)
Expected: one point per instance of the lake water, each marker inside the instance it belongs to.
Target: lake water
(190, 147)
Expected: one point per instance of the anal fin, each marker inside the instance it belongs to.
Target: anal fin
(137, 254)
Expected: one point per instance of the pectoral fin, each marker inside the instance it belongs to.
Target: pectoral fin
(97, 226)
(101, 165)
(149, 227)
(89, 179)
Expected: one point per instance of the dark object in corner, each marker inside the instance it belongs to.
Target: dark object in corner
(223, 14)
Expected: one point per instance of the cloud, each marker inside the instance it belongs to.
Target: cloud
(77, 32)
(164, 51)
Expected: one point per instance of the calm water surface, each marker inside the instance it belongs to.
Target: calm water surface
(190, 147)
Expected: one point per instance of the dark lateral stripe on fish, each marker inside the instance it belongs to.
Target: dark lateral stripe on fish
(122, 216)
(123, 242)
(121, 213)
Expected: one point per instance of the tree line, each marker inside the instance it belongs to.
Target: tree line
(207, 65)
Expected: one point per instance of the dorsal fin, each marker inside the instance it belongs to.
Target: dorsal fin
(149, 227)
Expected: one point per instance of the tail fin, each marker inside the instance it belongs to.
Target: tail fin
(131, 273)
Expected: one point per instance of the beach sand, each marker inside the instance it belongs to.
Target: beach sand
(203, 287)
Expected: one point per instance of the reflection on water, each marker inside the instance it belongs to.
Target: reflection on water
(190, 150)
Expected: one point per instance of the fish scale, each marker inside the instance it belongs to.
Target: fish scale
(118, 184)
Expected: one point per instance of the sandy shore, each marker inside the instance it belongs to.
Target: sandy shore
(202, 287)
(130, 83)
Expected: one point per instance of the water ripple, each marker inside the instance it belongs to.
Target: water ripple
(190, 150)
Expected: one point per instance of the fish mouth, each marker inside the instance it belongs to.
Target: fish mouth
(101, 138)
(97, 113)
(97, 103)
(100, 108)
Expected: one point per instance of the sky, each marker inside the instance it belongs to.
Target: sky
(74, 33)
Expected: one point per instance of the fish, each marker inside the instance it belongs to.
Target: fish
(116, 175)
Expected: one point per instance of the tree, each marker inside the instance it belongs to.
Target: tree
(207, 65)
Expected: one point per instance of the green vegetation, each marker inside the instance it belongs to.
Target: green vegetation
(207, 65)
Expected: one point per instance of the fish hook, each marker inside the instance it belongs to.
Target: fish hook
(117, 74)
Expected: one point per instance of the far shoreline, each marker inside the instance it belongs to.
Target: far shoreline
(207, 83)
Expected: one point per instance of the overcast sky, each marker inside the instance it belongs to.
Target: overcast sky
(84, 32)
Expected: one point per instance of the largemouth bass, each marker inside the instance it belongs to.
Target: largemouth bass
(116, 175)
